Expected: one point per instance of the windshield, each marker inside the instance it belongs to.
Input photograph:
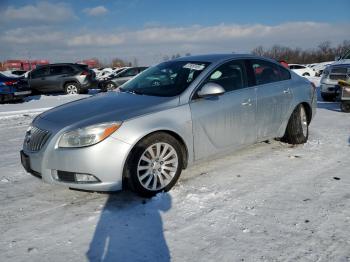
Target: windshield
(166, 79)
(347, 55)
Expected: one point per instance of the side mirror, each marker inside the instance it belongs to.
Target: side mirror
(211, 89)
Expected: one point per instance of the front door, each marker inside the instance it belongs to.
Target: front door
(37, 79)
(228, 121)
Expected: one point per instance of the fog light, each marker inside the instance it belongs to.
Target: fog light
(54, 174)
(85, 178)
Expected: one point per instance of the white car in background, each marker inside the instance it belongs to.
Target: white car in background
(14, 73)
(302, 70)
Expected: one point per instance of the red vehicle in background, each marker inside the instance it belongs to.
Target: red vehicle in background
(23, 64)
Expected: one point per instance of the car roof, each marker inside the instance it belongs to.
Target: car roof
(216, 57)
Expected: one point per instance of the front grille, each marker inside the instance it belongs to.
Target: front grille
(35, 139)
(339, 70)
(338, 77)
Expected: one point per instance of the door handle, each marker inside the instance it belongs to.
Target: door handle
(246, 103)
(286, 91)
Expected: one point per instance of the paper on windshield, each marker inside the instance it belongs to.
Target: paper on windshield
(194, 66)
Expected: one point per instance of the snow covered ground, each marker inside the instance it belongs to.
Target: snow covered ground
(268, 202)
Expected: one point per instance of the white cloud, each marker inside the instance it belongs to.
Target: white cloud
(41, 12)
(95, 40)
(149, 45)
(96, 11)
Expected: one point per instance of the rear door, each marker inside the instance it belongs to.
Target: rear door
(274, 97)
(228, 121)
(55, 78)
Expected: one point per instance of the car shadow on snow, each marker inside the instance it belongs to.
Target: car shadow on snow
(333, 106)
(131, 229)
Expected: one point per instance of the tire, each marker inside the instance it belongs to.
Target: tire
(297, 131)
(72, 89)
(148, 175)
(345, 106)
(327, 97)
(306, 74)
(109, 86)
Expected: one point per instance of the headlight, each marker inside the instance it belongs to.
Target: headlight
(89, 135)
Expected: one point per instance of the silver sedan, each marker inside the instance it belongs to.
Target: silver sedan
(165, 119)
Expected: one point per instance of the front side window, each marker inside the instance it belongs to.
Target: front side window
(266, 72)
(40, 72)
(231, 76)
(166, 79)
(129, 72)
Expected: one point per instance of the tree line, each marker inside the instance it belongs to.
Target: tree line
(322, 53)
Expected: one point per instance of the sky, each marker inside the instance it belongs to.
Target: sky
(149, 30)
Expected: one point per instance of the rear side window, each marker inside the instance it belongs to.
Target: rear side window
(231, 76)
(266, 72)
(59, 70)
(284, 73)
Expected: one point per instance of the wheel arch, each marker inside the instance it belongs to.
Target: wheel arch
(172, 133)
(308, 110)
(69, 82)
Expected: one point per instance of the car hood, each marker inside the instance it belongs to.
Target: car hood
(341, 62)
(113, 106)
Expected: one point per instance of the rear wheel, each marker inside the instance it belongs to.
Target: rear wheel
(306, 74)
(155, 164)
(71, 89)
(297, 131)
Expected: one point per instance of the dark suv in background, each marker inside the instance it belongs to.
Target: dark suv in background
(70, 78)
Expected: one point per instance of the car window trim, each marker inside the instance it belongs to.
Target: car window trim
(265, 60)
(202, 82)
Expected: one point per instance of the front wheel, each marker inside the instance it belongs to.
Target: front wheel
(155, 164)
(297, 131)
(345, 106)
(109, 86)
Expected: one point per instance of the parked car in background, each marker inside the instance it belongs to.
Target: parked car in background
(320, 67)
(120, 78)
(330, 78)
(70, 78)
(14, 73)
(13, 88)
(302, 70)
(145, 135)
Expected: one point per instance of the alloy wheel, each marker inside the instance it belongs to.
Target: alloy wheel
(157, 166)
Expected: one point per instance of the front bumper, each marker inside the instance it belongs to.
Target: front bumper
(104, 160)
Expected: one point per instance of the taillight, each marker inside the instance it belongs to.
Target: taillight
(84, 73)
(10, 83)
